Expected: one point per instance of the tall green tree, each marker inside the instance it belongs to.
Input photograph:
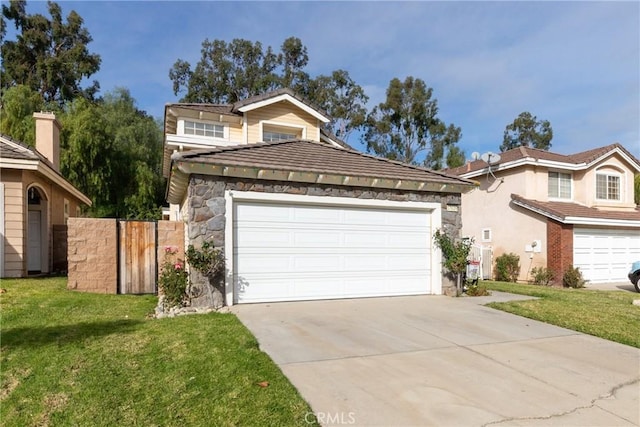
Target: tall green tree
(343, 99)
(526, 130)
(230, 72)
(16, 115)
(405, 126)
(636, 189)
(113, 152)
(49, 55)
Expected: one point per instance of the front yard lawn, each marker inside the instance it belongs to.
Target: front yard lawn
(606, 314)
(71, 358)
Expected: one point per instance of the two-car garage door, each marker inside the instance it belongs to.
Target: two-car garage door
(286, 252)
(605, 255)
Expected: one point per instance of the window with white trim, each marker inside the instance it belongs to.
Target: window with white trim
(269, 136)
(486, 234)
(211, 130)
(607, 186)
(559, 185)
(279, 132)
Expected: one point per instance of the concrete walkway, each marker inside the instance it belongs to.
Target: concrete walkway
(440, 361)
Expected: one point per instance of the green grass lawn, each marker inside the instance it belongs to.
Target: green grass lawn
(70, 358)
(606, 314)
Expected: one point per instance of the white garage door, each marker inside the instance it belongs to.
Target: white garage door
(605, 255)
(285, 252)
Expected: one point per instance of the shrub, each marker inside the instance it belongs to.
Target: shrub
(572, 278)
(173, 279)
(208, 260)
(476, 290)
(507, 267)
(542, 276)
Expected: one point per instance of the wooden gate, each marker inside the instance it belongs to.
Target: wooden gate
(137, 257)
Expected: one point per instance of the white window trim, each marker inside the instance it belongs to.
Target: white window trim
(482, 233)
(180, 129)
(621, 186)
(262, 124)
(571, 189)
(231, 197)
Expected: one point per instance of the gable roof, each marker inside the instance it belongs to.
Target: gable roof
(574, 213)
(279, 95)
(310, 162)
(520, 156)
(17, 155)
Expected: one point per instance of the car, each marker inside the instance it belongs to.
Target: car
(634, 275)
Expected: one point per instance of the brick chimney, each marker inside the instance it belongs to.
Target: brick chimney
(48, 137)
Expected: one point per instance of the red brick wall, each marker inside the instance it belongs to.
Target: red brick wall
(559, 248)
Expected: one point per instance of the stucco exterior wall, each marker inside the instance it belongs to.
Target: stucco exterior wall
(511, 228)
(616, 165)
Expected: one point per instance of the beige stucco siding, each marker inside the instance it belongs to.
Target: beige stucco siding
(613, 164)
(283, 113)
(512, 228)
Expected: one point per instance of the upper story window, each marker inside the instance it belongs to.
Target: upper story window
(269, 136)
(211, 130)
(272, 131)
(607, 186)
(559, 185)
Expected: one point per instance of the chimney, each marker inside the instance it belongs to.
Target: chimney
(48, 137)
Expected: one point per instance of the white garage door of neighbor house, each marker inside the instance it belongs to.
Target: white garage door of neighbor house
(285, 252)
(605, 255)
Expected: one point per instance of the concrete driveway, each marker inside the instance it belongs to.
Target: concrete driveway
(440, 361)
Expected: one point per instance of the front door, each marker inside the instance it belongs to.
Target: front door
(34, 245)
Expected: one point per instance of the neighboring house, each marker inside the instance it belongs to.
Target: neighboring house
(299, 214)
(34, 200)
(555, 210)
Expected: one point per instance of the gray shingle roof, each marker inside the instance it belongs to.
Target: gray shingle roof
(310, 156)
(18, 151)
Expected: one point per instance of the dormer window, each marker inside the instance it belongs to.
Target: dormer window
(210, 130)
(559, 185)
(272, 131)
(607, 186)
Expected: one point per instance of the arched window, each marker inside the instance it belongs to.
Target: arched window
(609, 184)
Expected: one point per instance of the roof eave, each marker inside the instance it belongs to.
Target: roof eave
(579, 220)
(181, 170)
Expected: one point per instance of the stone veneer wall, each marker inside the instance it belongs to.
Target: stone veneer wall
(92, 255)
(206, 206)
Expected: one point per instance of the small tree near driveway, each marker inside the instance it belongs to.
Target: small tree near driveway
(454, 254)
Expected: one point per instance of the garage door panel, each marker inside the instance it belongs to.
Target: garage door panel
(605, 255)
(295, 252)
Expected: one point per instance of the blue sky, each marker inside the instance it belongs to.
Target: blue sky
(576, 64)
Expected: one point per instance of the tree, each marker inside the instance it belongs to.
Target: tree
(16, 119)
(526, 130)
(342, 99)
(636, 189)
(113, 152)
(406, 125)
(50, 56)
(230, 72)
